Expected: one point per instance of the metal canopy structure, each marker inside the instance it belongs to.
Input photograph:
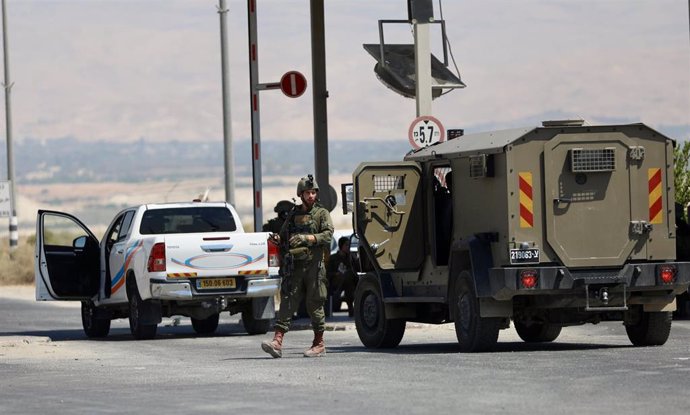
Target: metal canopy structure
(395, 67)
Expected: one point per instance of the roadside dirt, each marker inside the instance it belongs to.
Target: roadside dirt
(35, 347)
(17, 292)
(28, 293)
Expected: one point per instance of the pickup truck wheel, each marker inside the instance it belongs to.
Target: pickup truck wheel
(652, 329)
(536, 332)
(139, 330)
(94, 327)
(373, 328)
(206, 325)
(255, 326)
(474, 333)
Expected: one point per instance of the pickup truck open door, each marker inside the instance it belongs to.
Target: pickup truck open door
(67, 258)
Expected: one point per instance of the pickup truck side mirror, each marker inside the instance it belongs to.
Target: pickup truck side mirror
(79, 242)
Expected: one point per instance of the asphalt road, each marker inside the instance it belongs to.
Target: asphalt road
(48, 366)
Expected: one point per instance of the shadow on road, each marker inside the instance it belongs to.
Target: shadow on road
(123, 334)
(448, 348)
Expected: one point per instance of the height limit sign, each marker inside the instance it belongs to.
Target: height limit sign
(425, 131)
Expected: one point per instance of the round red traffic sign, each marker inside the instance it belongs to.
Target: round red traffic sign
(293, 84)
(425, 131)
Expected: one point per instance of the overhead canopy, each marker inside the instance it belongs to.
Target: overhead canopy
(397, 70)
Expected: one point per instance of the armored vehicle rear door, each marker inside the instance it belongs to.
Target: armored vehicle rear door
(587, 198)
(389, 213)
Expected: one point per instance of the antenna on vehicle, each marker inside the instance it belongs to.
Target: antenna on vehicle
(203, 197)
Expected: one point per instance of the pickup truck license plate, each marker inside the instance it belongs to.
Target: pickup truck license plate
(215, 283)
(524, 256)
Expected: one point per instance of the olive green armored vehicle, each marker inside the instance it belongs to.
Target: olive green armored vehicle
(553, 226)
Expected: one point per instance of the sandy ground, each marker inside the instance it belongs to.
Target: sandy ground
(28, 292)
(21, 347)
(112, 196)
(17, 292)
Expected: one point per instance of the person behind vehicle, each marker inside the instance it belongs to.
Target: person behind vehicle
(682, 235)
(341, 274)
(308, 229)
(282, 209)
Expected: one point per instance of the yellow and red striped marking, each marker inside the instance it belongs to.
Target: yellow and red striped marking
(655, 202)
(526, 202)
(254, 272)
(182, 274)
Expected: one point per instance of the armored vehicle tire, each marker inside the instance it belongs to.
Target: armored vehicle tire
(206, 325)
(373, 329)
(652, 329)
(253, 325)
(535, 332)
(139, 330)
(94, 327)
(474, 333)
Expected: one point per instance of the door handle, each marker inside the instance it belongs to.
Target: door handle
(562, 200)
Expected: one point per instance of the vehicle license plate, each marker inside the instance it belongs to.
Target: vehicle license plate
(215, 283)
(524, 256)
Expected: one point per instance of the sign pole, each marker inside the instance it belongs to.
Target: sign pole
(14, 230)
(422, 55)
(227, 120)
(255, 114)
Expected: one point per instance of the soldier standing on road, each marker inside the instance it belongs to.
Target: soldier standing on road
(309, 230)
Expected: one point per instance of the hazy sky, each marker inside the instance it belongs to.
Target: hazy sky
(105, 69)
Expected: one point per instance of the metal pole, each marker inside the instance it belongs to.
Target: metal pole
(254, 111)
(14, 230)
(320, 96)
(227, 121)
(422, 53)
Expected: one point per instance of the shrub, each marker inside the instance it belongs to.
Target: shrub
(18, 269)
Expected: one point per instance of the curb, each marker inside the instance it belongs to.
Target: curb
(13, 341)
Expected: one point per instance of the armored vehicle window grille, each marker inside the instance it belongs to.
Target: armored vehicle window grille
(478, 166)
(388, 183)
(592, 160)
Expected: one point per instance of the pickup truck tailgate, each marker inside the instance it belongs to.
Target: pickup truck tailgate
(217, 254)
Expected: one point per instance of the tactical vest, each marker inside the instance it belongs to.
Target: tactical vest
(305, 223)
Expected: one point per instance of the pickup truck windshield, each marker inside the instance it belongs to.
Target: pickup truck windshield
(187, 220)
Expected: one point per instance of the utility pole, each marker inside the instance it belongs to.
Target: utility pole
(14, 231)
(320, 95)
(227, 121)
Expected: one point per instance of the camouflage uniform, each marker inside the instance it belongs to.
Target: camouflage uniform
(309, 275)
(307, 234)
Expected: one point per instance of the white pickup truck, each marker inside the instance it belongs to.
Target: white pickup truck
(190, 259)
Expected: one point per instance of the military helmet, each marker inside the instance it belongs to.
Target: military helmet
(283, 206)
(306, 183)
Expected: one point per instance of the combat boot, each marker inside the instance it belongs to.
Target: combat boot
(275, 346)
(318, 348)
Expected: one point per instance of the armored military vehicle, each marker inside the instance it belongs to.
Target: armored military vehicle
(552, 226)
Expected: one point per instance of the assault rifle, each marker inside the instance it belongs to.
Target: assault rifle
(286, 260)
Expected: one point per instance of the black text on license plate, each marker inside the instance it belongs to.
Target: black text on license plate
(524, 256)
(215, 283)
